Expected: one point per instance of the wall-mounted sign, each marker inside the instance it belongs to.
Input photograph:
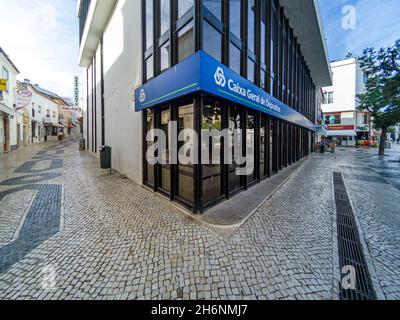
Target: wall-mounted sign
(201, 72)
(3, 85)
(22, 99)
(340, 127)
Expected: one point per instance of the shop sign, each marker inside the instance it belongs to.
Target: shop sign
(3, 85)
(200, 72)
(22, 99)
(340, 127)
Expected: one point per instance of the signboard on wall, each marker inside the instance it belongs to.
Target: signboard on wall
(3, 85)
(22, 99)
(340, 127)
(201, 72)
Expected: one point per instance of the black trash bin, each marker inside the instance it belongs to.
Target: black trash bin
(105, 157)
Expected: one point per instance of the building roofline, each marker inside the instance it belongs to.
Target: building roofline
(9, 60)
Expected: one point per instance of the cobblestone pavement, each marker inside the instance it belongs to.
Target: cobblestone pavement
(76, 232)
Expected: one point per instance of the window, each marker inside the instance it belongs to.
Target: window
(185, 41)
(6, 76)
(235, 123)
(235, 17)
(149, 24)
(215, 7)
(263, 31)
(48, 113)
(39, 109)
(328, 98)
(333, 119)
(164, 16)
(33, 113)
(212, 173)
(183, 7)
(149, 68)
(186, 172)
(250, 145)
(54, 114)
(234, 61)
(212, 41)
(250, 70)
(164, 57)
(150, 173)
(251, 25)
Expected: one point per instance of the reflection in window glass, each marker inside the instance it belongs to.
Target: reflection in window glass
(164, 57)
(250, 70)
(165, 16)
(149, 24)
(186, 172)
(212, 183)
(262, 80)
(215, 7)
(185, 41)
(234, 60)
(251, 25)
(212, 41)
(183, 7)
(235, 17)
(149, 68)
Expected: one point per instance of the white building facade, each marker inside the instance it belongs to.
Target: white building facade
(345, 123)
(10, 120)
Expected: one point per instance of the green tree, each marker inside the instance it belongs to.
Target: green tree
(382, 95)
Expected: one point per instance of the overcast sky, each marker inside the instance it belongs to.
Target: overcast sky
(41, 36)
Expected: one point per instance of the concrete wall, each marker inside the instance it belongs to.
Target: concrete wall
(122, 73)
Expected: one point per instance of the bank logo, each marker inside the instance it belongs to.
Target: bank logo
(142, 96)
(220, 77)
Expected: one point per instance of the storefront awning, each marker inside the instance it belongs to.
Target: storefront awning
(201, 72)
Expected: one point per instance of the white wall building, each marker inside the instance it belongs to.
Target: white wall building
(346, 124)
(10, 130)
(43, 114)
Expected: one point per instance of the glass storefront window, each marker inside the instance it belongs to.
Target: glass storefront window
(235, 123)
(234, 59)
(150, 126)
(164, 16)
(164, 57)
(250, 145)
(149, 24)
(183, 7)
(186, 172)
(185, 41)
(235, 17)
(251, 25)
(165, 169)
(212, 41)
(215, 7)
(212, 179)
(263, 152)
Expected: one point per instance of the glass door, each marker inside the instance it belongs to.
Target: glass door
(165, 166)
(235, 123)
(185, 190)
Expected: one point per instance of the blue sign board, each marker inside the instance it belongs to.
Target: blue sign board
(200, 72)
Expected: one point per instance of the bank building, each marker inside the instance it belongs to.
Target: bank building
(258, 66)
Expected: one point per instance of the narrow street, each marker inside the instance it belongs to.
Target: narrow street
(69, 230)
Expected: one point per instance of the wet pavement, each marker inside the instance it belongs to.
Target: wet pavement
(69, 230)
